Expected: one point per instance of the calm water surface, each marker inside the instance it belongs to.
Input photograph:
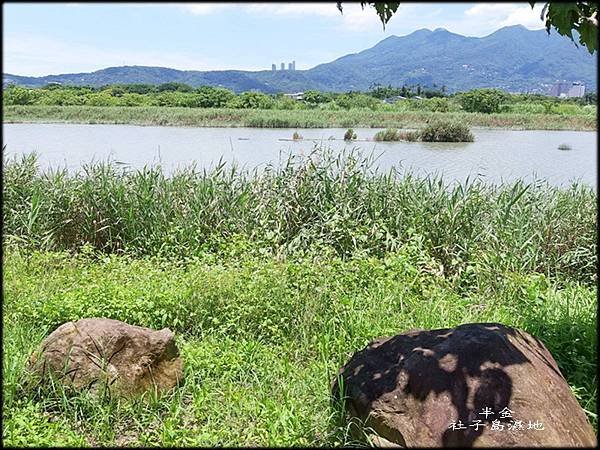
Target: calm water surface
(495, 156)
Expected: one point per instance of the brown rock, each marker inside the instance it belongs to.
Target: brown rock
(412, 387)
(97, 353)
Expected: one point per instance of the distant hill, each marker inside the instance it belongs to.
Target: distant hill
(512, 58)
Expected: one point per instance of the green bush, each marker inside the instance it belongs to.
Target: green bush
(410, 136)
(210, 97)
(251, 100)
(356, 100)
(483, 100)
(435, 104)
(16, 95)
(390, 134)
(100, 99)
(444, 131)
(349, 134)
(132, 99)
(314, 98)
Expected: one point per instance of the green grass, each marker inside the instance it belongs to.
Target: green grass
(261, 339)
(313, 118)
(272, 280)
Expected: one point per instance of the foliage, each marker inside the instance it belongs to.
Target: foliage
(581, 17)
(172, 87)
(313, 98)
(385, 11)
(356, 100)
(437, 104)
(410, 136)
(320, 199)
(16, 95)
(483, 100)
(251, 100)
(446, 131)
(211, 97)
(390, 134)
(349, 134)
(401, 115)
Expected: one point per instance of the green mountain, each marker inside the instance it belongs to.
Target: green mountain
(512, 58)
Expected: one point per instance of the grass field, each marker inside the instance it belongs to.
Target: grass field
(218, 117)
(272, 281)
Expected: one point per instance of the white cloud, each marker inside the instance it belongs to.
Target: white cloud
(499, 15)
(39, 55)
(201, 9)
(353, 17)
(525, 16)
(478, 20)
(294, 9)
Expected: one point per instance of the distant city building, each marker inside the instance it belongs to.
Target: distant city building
(567, 89)
(577, 90)
(291, 66)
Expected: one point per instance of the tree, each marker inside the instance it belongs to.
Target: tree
(563, 17)
(482, 100)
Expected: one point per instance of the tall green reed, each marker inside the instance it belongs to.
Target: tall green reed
(323, 202)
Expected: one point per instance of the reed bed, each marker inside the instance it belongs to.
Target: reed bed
(268, 118)
(331, 202)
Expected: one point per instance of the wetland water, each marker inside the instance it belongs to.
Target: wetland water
(495, 156)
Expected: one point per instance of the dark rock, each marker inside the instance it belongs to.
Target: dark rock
(104, 353)
(412, 387)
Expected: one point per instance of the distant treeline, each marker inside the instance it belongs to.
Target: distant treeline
(377, 98)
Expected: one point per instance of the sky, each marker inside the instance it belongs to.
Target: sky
(54, 38)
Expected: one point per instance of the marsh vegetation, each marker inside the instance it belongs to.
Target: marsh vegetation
(272, 280)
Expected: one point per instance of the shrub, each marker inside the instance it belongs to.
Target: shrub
(314, 98)
(483, 100)
(391, 134)
(132, 99)
(99, 99)
(443, 131)
(211, 97)
(296, 136)
(16, 95)
(410, 136)
(564, 147)
(349, 134)
(438, 104)
(356, 100)
(251, 100)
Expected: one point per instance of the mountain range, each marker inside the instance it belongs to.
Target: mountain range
(512, 58)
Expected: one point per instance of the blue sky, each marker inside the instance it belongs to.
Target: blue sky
(52, 38)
